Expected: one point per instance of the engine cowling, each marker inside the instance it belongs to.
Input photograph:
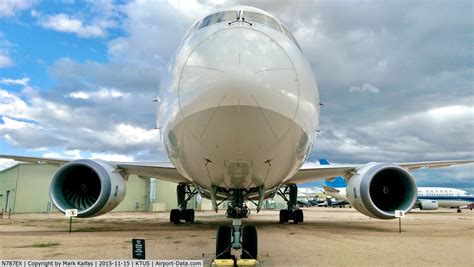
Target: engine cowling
(428, 204)
(378, 189)
(92, 187)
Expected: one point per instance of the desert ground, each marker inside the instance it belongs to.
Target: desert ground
(328, 237)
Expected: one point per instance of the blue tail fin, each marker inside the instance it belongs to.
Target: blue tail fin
(336, 182)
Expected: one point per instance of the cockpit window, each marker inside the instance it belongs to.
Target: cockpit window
(288, 33)
(219, 17)
(191, 30)
(261, 18)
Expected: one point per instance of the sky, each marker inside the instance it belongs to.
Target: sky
(77, 78)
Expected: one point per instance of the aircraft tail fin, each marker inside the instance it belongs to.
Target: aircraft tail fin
(336, 182)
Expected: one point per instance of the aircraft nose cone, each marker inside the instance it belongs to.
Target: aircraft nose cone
(239, 67)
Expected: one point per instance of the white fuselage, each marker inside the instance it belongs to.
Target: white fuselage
(238, 105)
(446, 197)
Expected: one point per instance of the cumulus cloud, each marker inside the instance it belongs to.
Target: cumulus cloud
(434, 134)
(155, 27)
(64, 23)
(9, 8)
(34, 122)
(97, 18)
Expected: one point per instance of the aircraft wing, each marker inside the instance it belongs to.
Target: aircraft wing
(433, 164)
(330, 189)
(160, 170)
(319, 172)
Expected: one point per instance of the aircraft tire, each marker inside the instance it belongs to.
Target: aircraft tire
(190, 215)
(284, 214)
(223, 242)
(249, 242)
(174, 216)
(298, 215)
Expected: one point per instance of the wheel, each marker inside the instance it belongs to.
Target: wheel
(459, 210)
(284, 214)
(174, 216)
(298, 215)
(190, 215)
(249, 242)
(292, 216)
(223, 242)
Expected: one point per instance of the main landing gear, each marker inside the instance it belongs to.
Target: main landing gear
(293, 212)
(237, 237)
(184, 194)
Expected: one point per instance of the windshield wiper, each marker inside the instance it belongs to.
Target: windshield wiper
(240, 18)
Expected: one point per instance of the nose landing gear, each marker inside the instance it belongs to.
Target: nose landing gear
(244, 238)
(237, 237)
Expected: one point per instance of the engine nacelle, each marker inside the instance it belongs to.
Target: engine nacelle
(92, 187)
(378, 189)
(428, 204)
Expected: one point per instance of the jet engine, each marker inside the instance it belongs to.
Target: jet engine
(428, 204)
(378, 189)
(92, 187)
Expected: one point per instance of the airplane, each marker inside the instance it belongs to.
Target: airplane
(428, 198)
(238, 112)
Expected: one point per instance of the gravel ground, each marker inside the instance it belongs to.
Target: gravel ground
(329, 236)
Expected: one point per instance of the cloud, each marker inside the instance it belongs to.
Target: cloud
(64, 23)
(413, 59)
(122, 76)
(77, 154)
(9, 8)
(365, 88)
(112, 157)
(6, 163)
(5, 60)
(94, 20)
(12, 106)
(23, 81)
(434, 134)
(68, 154)
(5, 51)
(35, 123)
(100, 94)
(156, 28)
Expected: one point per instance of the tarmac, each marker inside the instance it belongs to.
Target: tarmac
(328, 236)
